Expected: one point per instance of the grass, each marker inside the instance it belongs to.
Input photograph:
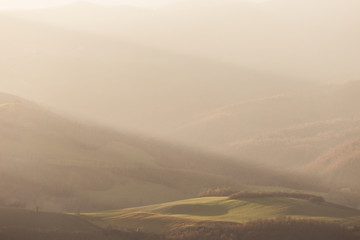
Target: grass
(162, 217)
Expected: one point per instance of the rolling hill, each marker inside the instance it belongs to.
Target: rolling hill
(31, 220)
(296, 146)
(265, 217)
(18, 224)
(246, 114)
(161, 218)
(190, 98)
(339, 167)
(62, 165)
(285, 131)
(260, 116)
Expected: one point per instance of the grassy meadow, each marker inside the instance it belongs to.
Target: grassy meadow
(160, 218)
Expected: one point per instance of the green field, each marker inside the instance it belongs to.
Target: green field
(163, 217)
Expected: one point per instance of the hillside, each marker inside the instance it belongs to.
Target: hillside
(304, 131)
(296, 146)
(244, 113)
(179, 120)
(285, 131)
(31, 220)
(164, 217)
(63, 165)
(256, 116)
(164, 91)
(340, 166)
(344, 158)
(16, 224)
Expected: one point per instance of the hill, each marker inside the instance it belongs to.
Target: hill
(344, 158)
(298, 131)
(286, 131)
(295, 146)
(64, 165)
(164, 217)
(18, 224)
(249, 114)
(29, 219)
(339, 167)
(23, 224)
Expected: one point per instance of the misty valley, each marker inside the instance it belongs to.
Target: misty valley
(180, 120)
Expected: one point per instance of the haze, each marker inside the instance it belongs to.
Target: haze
(180, 119)
(226, 76)
(153, 71)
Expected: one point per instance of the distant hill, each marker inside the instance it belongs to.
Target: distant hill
(287, 130)
(153, 65)
(119, 83)
(98, 74)
(255, 116)
(247, 114)
(340, 165)
(63, 165)
(295, 146)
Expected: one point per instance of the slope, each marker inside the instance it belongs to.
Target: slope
(240, 112)
(340, 168)
(341, 158)
(43, 221)
(60, 164)
(296, 146)
(255, 116)
(167, 216)
(286, 131)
